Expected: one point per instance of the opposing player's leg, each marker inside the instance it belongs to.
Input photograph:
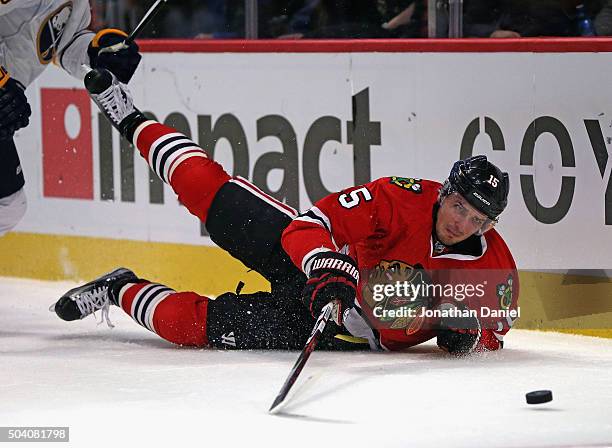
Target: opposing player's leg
(12, 195)
(240, 217)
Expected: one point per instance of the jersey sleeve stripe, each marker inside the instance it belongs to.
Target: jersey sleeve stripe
(322, 216)
(310, 216)
(306, 218)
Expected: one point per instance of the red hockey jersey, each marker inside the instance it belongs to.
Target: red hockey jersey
(389, 222)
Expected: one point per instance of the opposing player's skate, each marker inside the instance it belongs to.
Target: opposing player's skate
(96, 295)
(114, 99)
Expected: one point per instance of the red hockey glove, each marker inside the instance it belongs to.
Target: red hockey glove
(333, 276)
(122, 63)
(14, 108)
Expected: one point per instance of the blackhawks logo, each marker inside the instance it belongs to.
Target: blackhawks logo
(408, 183)
(504, 293)
(395, 293)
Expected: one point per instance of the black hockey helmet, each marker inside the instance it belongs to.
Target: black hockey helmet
(481, 183)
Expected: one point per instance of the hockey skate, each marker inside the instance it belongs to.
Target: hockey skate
(114, 100)
(98, 294)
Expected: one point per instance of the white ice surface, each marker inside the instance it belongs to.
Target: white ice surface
(127, 387)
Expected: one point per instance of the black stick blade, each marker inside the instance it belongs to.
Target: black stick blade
(311, 343)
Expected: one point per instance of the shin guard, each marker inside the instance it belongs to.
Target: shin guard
(178, 317)
(182, 164)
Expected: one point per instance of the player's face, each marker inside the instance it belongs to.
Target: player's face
(458, 220)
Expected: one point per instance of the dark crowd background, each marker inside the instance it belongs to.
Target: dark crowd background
(313, 19)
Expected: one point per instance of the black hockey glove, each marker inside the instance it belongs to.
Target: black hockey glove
(333, 276)
(14, 108)
(459, 335)
(122, 63)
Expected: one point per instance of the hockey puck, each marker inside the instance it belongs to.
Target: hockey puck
(539, 397)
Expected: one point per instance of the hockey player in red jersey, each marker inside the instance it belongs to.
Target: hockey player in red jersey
(347, 245)
(406, 222)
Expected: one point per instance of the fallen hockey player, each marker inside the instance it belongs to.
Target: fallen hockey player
(430, 232)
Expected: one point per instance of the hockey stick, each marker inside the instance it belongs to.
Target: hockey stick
(311, 343)
(153, 10)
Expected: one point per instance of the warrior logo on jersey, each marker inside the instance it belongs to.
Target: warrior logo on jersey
(51, 31)
(408, 183)
(504, 293)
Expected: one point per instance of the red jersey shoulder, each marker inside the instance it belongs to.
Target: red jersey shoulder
(409, 190)
(414, 185)
(404, 202)
(498, 254)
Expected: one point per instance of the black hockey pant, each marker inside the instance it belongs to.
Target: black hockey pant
(249, 227)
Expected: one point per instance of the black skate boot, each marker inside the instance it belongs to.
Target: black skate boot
(96, 295)
(114, 100)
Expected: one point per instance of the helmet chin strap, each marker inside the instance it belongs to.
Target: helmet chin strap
(486, 227)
